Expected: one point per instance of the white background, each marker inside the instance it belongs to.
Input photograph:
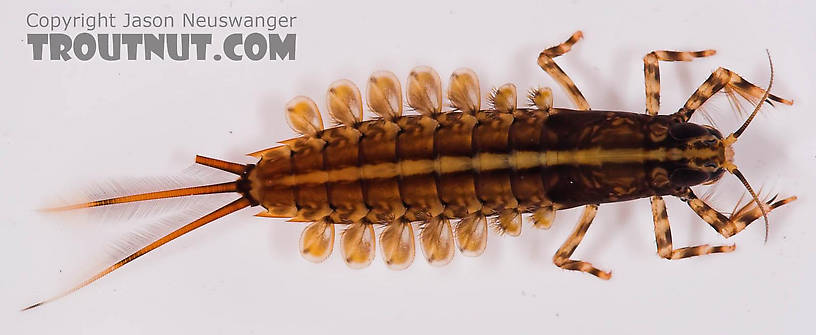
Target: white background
(67, 125)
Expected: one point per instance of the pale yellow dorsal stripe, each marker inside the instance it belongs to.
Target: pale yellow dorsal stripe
(516, 160)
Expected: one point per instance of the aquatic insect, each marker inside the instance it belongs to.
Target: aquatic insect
(477, 167)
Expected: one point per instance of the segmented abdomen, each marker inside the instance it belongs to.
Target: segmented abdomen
(436, 166)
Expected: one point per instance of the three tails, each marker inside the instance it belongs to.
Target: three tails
(238, 186)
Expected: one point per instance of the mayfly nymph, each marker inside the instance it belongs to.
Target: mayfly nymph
(453, 173)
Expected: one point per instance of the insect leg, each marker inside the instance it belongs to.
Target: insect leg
(730, 226)
(652, 72)
(562, 256)
(546, 62)
(664, 239)
(720, 79)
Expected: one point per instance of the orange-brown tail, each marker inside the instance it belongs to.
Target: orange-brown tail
(235, 186)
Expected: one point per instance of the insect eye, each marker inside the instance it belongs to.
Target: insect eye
(688, 177)
(716, 133)
(710, 165)
(710, 142)
(684, 131)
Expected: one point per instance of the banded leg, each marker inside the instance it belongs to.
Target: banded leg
(730, 226)
(723, 78)
(546, 62)
(664, 239)
(562, 256)
(651, 71)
